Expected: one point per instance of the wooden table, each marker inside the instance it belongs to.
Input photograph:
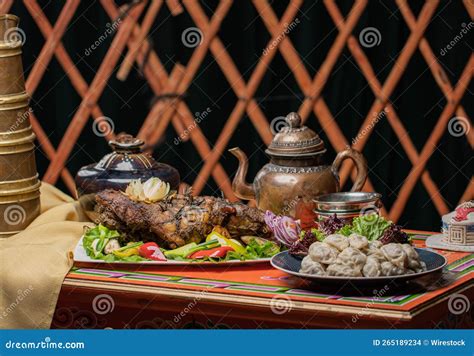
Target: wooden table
(257, 296)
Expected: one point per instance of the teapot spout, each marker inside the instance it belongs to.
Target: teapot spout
(241, 188)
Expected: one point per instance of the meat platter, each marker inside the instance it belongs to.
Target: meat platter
(149, 224)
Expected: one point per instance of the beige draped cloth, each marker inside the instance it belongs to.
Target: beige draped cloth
(33, 263)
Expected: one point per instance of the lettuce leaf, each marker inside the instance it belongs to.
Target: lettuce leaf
(255, 250)
(318, 234)
(100, 233)
(371, 226)
(103, 235)
(346, 230)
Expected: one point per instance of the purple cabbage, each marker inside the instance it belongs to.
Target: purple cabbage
(393, 233)
(301, 247)
(331, 225)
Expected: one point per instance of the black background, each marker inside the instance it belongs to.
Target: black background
(417, 98)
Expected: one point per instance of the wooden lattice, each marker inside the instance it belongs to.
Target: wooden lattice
(133, 36)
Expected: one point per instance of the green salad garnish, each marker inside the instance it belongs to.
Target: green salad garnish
(371, 226)
(96, 240)
(256, 249)
(346, 230)
(101, 243)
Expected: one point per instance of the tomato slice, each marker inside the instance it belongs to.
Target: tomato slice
(151, 251)
(217, 252)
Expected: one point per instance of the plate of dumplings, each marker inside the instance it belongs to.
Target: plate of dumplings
(339, 259)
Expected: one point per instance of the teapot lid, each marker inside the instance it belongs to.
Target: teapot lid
(127, 155)
(295, 140)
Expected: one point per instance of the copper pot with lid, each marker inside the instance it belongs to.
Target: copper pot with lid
(296, 173)
(115, 171)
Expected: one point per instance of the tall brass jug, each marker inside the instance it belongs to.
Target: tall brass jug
(19, 184)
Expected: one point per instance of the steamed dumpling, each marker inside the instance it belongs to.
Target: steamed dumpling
(389, 269)
(376, 253)
(375, 244)
(421, 268)
(312, 267)
(358, 241)
(352, 257)
(371, 267)
(322, 253)
(337, 241)
(412, 256)
(374, 249)
(337, 269)
(395, 254)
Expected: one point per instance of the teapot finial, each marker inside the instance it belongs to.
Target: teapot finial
(293, 120)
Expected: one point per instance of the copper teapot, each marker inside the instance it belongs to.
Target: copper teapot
(295, 175)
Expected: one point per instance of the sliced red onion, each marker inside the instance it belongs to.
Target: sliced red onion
(285, 229)
(269, 218)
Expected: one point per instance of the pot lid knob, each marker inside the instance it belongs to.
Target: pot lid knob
(126, 143)
(293, 120)
(295, 140)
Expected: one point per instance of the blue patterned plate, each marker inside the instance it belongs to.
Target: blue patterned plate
(291, 264)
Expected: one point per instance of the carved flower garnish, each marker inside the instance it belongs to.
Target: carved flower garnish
(153, 190)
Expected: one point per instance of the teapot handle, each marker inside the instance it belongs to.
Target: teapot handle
(360, 163)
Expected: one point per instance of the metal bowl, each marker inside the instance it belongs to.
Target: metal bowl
(347, 205)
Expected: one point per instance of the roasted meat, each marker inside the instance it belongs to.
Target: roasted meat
(176, 220)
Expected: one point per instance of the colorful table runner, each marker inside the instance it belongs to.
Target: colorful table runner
(261, 280)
